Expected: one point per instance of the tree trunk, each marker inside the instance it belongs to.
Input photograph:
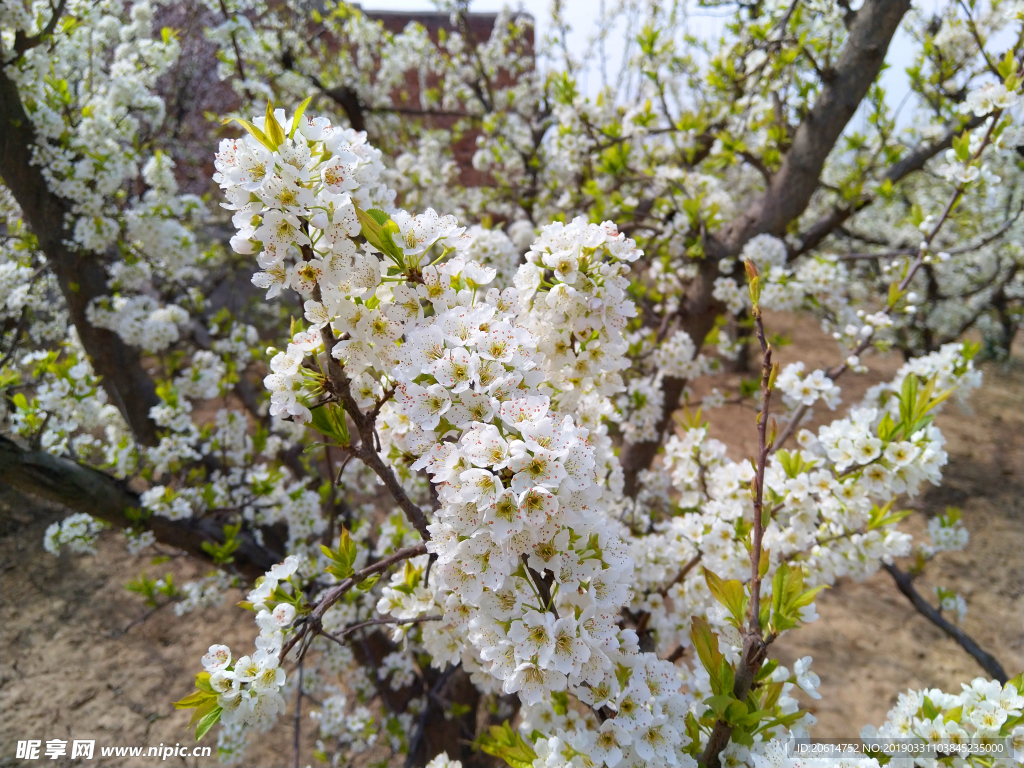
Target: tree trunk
(81, 276)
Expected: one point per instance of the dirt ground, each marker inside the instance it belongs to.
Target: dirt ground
(869, 643)
(68, 670)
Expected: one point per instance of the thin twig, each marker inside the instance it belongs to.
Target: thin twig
(755, 644)
(298, 713)
(375, 622)
(139, 620)
(333, 595)
(688, 566)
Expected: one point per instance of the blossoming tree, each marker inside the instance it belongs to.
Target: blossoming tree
(474, 506)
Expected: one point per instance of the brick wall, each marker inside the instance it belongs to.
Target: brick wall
(479, 28)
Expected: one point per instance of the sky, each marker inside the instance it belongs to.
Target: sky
(583, 15)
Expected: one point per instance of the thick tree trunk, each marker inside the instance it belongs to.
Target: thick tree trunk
(790, 191)
(81, 276)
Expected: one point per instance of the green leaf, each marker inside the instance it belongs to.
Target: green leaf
(207, 723)
(273, 129)
(772, 693)
(728, 593)
(203, 710)
(755, 290)
(298, 116)
(719, 702)
(367, 584)
(706, 643)
(766, 669)
(894, 293)
(504, 742)
(928, 709)
(329, 421)
(203, 682)
(742, 737)
(880, 516)
(887, 428)
(735, 711)
(372, 230)
(194, 699)
(255, 132)
(560, 702)
(1018, 681)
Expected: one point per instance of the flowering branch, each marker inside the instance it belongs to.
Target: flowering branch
(333, 595)
(898, 290)
(365, 423)
(789, 193)
(755, 645)
(82, 276)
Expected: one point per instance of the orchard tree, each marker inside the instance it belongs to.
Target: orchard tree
(453, 462)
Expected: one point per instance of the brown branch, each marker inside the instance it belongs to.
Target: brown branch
(297, 722)
(543, 584)
(377, 622)
(81, 275)
(23, 43)
(688, 566)
(858, 66)
(788, 194)
(333, 595)
(755, 645)
(339, 385)
(88, 490)
(988, 662)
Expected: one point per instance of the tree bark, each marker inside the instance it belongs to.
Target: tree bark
(81, 276)
(96, 493)
(792, 187)
(789, 193)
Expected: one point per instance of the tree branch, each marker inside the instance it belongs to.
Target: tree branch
(788, 194)
(988, 662)
(755, 645)
(335, 593)
(88, 490)
(792, 187)
(81, 276)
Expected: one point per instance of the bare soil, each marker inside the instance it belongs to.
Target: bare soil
(869, 643)
(68, 670)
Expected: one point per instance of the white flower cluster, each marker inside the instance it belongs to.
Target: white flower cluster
(203, 593)
(807, 390)
(573, 290)
(69, 411)
(947, 533)
(677, 356)
(480, 388)
(249, 688)
(785, 286)
(140, 320)
(494, 249)
(528, 576)
(987, 98)
(831, 498)
(76, 532)
(950, 601)
(982, 711)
